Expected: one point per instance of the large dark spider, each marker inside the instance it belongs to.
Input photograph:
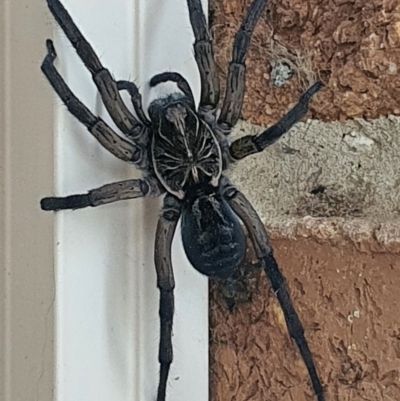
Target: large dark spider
(182, 152)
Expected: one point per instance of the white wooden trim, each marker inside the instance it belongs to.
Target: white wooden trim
(106, 331)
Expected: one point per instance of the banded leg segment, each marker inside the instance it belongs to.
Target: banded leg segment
(106, 85)
(118, 146)
(204, 58)
(109, 193)
(235, 84)
(259, 238)
(251, 144)
(165, 281)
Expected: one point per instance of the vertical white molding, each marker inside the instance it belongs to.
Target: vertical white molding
(107, 302)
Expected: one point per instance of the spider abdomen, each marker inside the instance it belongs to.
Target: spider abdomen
(212, 236)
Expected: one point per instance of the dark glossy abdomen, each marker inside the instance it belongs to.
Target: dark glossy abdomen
(212, 236)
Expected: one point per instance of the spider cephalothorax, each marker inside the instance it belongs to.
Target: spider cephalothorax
(183, 151)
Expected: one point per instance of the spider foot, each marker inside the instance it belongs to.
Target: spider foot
(69, 202)
(310, 92)
(51, 51)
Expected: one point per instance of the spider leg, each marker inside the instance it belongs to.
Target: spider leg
(105, 83)
(165, 281)
(136, 99)
(183, 85)
(258, 235)
(235, 83)
(108, 193)
(118, 146)
(204, 58)
(249, 144)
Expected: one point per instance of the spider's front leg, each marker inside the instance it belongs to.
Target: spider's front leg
(105, 83)
(259, 238)
(235, 83)
(250, 144)
(116, 145)
(204, 58)
(165, 282)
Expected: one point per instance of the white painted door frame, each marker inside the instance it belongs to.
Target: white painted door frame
(106, 302)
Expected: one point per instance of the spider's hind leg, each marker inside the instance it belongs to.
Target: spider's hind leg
(258, 235)
(165, 282)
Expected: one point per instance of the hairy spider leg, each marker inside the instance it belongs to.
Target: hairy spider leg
(109, 193)
(183, 85)
(250, 144)
(118, 146)
(259, 238)
(166, 227)
(105, 83)
(235, 83)
(204, 55)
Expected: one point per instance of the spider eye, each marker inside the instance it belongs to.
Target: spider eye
(212, 236)
(160, 106)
